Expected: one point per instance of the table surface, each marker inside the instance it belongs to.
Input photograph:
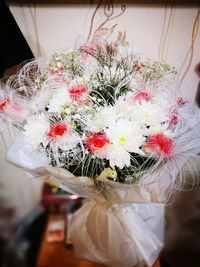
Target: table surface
(56, 254)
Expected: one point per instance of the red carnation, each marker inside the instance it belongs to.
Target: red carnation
(76, 92)
(57, 129)
(97, 142)
(159, 144)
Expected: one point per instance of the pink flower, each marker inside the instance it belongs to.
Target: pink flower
(173, 120)
(142, 96)
(174, 117)
(138, 66)
(159, 145)
(58, 129)
(76, 92)
(180, 101)
(97, 142)
(15, 111)
(58, 68)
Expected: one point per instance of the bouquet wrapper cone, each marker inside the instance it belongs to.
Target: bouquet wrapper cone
(122, 226)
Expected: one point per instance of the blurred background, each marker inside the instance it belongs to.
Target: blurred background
(167, 30)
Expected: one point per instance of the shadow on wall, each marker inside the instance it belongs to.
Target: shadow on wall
(197, 70)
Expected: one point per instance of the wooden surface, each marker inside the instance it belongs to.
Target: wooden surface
(56, 254)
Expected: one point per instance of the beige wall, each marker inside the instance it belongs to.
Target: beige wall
(54, 27)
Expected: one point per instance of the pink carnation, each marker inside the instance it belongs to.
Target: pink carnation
(159, 145)
(97, 142)
(76, 92)
(57, 129)
(142, 96)
(14, 111)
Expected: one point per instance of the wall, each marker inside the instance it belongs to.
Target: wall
(52, 27)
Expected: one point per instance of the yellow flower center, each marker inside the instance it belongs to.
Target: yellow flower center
(122, 140)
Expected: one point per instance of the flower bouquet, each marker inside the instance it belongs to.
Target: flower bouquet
(109, 126)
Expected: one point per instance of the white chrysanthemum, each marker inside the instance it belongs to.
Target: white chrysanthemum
(40, 101)
(124, 109)
(103, 117)
(67, 142)
(35, 131)
(149, 113)
(58, 100)
(117, 156)
(126, 134)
